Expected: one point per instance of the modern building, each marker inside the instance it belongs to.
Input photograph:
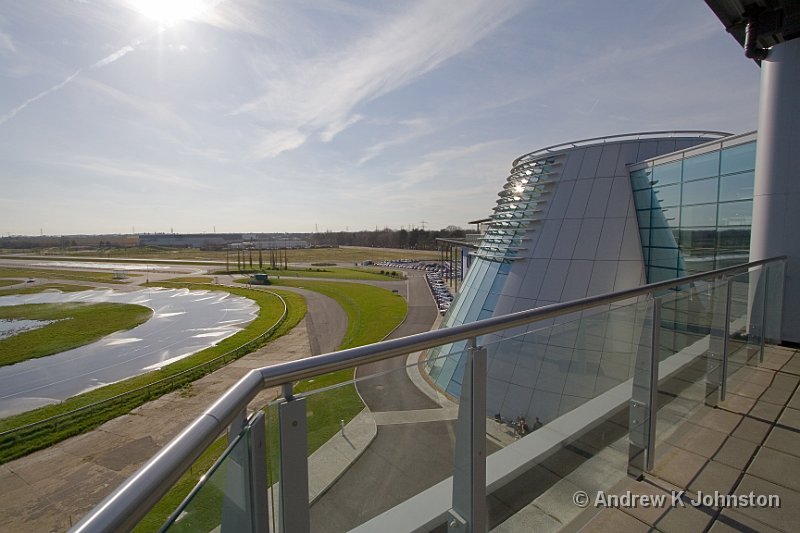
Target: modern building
(587, 218)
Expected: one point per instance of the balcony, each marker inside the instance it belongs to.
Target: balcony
(674, 386)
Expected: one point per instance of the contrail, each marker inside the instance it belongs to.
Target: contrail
(99, 64)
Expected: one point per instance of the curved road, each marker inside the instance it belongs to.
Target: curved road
(404, 458)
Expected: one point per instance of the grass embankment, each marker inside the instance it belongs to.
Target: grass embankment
(46, 287)
(191, 279)
(360, 274)
(372, 314)
(79, 275)
(76, 324)
(8, 282)
(47, 434)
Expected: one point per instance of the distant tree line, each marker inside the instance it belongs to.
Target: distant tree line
(417, 239)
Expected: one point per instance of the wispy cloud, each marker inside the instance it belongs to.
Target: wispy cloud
(277, 142)
(320, 94)
(126, 171)
(6, 43)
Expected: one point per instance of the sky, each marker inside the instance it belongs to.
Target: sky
(144, 116)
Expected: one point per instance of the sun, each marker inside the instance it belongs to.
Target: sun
(168, 12)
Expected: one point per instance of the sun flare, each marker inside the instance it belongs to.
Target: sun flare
(168, 11)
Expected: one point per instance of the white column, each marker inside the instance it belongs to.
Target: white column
(776, 202)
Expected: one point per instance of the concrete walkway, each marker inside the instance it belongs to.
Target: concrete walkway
(51, 489)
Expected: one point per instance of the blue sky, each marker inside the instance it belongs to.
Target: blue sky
(258, 115)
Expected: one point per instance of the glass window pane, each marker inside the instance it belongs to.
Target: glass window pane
(664, 257)
(642, 198)
(661, 274)
(663, 237)
(640, 179)
(698, 239)
(644, 218)
(668, 195)
(736, 187)
(733, 239)
(699, 215)
(738, 158)
(736, 213)
(645, 236)
(701, 166)
(666, 174)
(666, 217)
(700, 192)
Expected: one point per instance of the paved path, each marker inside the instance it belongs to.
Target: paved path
(413, 448)
(51, 489)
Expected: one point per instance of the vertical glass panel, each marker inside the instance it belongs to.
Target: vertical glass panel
(690, 368)
(666, 174)
(385, 450)
(699, 215)
(701, 166)
(700, 192)
(644, 235)
(774, 308)
(736, 213)
(558, 411)
(668, 196)
(661, 274)
(738, 158)
(222, 499)
(736, 187)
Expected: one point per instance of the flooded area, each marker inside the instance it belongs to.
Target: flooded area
(11, 327)
(183, 322)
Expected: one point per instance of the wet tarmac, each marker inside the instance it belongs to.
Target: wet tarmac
(183, 322)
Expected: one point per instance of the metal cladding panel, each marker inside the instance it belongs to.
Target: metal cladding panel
(547, 240)
(604, 277)
(610, 243)
(572, 165)
(619, 199)
(588, 239)
(598, 199)
(577, 284)
(590, 161)
(607, 167)
(579, 199)
(567, 238)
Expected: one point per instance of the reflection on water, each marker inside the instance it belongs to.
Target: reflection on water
(11, 327)
(171, 334)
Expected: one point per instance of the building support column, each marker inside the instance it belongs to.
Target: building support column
(776, 198)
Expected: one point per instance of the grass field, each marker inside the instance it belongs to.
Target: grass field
(47, 434)
(372, 314)
(7, 282)
(63, 287)
(75, 324)
(192, 279)
(78, 275)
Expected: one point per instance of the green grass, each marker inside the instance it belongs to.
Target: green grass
(63, 287)
(76, 324)
(361, 274)
(7, 282)
(45, 435)
(78, 275)
(372, 314)
(192, 279)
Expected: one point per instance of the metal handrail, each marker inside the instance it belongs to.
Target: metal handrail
(645, 135)
(131, 501)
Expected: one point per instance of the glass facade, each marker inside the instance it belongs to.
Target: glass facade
(695, 213)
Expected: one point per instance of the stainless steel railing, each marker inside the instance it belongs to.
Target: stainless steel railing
(133, 499)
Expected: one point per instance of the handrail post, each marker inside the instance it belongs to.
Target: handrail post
(294, 513)
(723, 386)
(644, 401)
(469, 513)
(716, 359)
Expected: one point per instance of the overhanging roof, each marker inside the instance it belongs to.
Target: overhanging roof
(778, 20)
